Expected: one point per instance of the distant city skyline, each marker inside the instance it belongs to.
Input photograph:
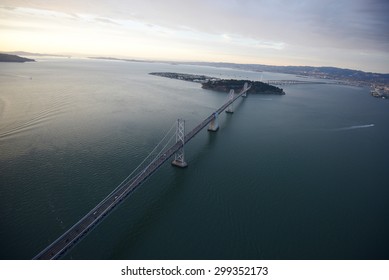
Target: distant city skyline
(341, 33)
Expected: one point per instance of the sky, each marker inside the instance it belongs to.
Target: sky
(342, 33)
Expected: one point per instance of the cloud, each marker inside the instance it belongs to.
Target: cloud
(349, 24)
(105, 20)
(261, 28)
(331, 23)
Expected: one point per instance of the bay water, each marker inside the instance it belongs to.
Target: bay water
(299, 176)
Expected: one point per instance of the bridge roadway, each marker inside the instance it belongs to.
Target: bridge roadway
(73, 235)
(292, 82)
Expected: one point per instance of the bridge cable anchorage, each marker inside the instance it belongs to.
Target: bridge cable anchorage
(230, 108)
(179, 157)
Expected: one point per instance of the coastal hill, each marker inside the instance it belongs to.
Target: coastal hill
(13, 58)
(21, 53)
(343, 76)
(355, 77)
(222, 84)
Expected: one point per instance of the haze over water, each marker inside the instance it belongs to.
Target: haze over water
(299, 176)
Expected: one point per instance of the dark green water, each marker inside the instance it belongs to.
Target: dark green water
(300, 176)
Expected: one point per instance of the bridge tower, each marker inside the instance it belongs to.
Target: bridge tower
(246, 85)
(214, 124)
(179, 158)
(230, 108)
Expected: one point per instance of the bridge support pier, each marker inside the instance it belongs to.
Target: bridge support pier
(179, 157)
(230, 108)
(245, 89)
(214, 124)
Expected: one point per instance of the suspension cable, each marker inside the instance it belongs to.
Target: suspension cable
(129, 176)
(174, 124)
(163, 149)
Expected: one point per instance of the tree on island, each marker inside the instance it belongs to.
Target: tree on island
(237, 85)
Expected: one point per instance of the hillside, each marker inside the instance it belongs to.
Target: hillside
(13, 58)
(237, 85)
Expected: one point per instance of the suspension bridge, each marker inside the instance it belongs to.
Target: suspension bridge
(147, 167)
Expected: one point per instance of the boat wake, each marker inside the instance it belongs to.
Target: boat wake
(354, 127)
(45, 115)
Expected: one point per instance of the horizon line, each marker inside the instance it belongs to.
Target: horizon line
(142, 59)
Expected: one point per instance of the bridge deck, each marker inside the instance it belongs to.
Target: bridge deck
(73, 235)
(292, 82)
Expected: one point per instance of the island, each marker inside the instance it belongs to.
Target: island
(224, 85)
(13, 58)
